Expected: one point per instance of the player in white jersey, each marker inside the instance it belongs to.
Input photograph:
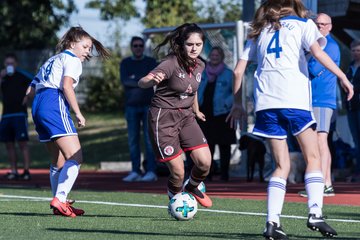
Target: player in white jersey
(53, 88)
(279, 36)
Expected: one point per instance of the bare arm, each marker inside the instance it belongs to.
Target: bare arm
(327, 62)
(237, 111)
(71, 98)
(151, 80)
(29, 95)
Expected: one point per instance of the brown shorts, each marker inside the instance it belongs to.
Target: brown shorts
(173, 131)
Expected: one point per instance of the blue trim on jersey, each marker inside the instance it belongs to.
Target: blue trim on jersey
(70, 53)
(294, 18)
(19, 114)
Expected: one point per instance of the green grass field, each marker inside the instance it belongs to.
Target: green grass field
(103, 139)
(121, 215)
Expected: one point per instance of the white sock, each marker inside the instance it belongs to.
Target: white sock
(276, 197)
(67, 179)
(314, 185)
(54, 178)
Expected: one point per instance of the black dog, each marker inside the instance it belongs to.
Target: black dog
(255, 154)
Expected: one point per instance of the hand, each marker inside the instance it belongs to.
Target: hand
(348, 88)
(80, 120)
(158, 77)
(3, 73)
(200, 115)
(25, 100)
(236, 116)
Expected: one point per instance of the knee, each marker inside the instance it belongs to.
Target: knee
(76, 156)
(204, 166)
(178, 175)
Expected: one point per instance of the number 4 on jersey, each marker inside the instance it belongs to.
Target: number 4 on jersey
(277, 49)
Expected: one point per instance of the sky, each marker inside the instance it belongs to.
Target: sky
(89, 19)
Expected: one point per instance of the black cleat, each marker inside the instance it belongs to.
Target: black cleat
(317, 223)
(274, 232)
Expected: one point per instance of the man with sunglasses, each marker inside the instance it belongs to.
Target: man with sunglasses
(323, 86)
(137, 102)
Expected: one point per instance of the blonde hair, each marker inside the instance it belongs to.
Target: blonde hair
(271, 11)
(76, 34)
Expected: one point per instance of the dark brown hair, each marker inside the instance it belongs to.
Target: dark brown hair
(76, 34)
(176, 40)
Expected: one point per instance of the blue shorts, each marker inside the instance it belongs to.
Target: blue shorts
(275, 123)
(13, 128)
(51, 115)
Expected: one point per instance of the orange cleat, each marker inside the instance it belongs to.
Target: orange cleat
(63, 208)
(69, 202)
(202, 198)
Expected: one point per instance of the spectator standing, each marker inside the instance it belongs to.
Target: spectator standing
(215, 101)
(14, 122)
(353, 106)
(323, 88)
(137, 103)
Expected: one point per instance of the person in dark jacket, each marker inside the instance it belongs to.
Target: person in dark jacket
(14, 123)
(353, 106)
(137, 102)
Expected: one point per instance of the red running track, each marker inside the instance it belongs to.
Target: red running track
(346, 193)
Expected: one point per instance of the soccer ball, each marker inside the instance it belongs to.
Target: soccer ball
(201, 186)
(183, 206)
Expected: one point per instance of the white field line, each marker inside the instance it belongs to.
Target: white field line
(17, 197)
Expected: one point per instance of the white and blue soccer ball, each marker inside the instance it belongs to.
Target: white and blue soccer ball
(201, 187)
(183, 206)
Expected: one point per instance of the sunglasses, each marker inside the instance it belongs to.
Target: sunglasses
(322, 24)
(138, 45)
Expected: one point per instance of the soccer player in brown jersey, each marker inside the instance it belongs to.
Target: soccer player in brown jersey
(172, 124)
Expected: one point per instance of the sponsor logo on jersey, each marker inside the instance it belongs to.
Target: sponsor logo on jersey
(169, 150)
(189, 91)
(181, 75)
(198, 77)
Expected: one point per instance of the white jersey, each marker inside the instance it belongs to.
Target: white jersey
(281, 77)
(55, 68)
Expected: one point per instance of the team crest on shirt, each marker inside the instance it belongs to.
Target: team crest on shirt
(169, 150)
(198, 77)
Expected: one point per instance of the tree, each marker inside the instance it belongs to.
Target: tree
(219, 11)
(124, 9)
(28, 24)
(161, 13)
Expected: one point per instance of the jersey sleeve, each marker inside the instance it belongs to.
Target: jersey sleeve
(312, 34)
(73, 68)
(167, 66)
(249, 53)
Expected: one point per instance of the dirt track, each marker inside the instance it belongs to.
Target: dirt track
(346, 193)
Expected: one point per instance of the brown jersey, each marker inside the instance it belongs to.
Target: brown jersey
(178, 88)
